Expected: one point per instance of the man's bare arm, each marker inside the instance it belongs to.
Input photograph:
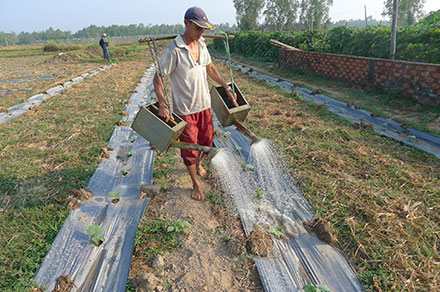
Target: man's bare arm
(158, 89)
(217, 77)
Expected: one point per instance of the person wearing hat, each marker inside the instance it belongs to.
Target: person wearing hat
(104, 44)
(188, 63)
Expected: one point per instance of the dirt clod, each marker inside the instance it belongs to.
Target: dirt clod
(124, 113)
(150, 190)
(104, 152)
(158, 262)
(4, 109)
(323, 229)
(148, 282)
(236, 247)
(121, 123)
(317, 91)
(64, 284)
(363, 126)
(78, 196)
(260, 242)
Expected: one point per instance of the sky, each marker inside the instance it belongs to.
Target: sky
(38, 15)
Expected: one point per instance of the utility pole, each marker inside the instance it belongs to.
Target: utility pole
(366, 20)
(393, 31)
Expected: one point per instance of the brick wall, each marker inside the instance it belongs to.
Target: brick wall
(418, 80)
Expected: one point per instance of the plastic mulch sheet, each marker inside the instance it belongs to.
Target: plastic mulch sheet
(105, 268)
(301, 259)
(36, 100)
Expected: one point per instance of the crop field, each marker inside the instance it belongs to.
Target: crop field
(53, 150)
(381, 197)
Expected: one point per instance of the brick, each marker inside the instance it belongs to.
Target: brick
(410, 91)
(413, 72)
(388, 64)
(433, 69)
(396, 74)
(397, 65)
(430, 80)
(436, 75)
(406, 85)
(379, 63)
(435, 86)
(416, 78)
(420, 68)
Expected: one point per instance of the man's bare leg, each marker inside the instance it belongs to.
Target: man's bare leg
(197, 192)
(200, 170)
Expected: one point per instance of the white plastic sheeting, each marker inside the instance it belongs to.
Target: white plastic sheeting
(19, 109)
(105, 268)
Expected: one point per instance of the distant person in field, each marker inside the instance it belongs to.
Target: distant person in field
(104, 44)
(188, 63)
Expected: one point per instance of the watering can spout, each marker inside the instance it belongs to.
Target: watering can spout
(246, 131)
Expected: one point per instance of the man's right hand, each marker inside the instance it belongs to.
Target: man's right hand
(164, 114)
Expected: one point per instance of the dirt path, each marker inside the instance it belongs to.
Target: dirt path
(212, 257)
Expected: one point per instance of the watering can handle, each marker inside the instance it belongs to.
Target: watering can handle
(171, 120)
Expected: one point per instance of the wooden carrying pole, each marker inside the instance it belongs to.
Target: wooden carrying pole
(284, 46)
(171, 37)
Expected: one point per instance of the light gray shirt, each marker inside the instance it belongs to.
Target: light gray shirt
(189, 82)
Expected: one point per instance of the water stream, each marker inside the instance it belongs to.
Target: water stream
(261, 190)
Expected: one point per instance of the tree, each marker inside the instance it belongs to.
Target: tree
(281, 13)
(408, 11)
(315, 13)
(247, 12)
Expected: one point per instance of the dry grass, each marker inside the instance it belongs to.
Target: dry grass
(382, 198)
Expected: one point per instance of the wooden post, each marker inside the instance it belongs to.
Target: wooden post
(393, 31)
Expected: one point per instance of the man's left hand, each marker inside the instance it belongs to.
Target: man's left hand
(232, 97)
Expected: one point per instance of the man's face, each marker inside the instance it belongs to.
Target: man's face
(194, 31)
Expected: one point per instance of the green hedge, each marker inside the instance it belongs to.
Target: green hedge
(420, 43)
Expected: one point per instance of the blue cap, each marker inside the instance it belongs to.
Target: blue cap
(198, 16)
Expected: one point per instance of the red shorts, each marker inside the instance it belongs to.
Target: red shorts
(198, 131)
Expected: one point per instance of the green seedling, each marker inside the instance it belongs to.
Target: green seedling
(341, 110)
(411, 138)
(95, 232)
(178, 226)
(246, 166)
(259, 193)
(132, 138)
(237, 148)
(316, 288)
(116, 196)
(226, 239)
(130, 153)
(124, 172)
(277, 231)
(226, 134)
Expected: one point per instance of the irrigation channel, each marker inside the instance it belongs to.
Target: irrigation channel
(36, 100)
(386, 127)
(298, 260)
(106, 268)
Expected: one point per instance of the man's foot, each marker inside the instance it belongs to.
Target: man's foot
(198, 194)
(201, 171)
